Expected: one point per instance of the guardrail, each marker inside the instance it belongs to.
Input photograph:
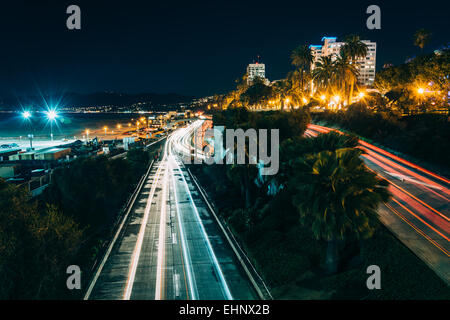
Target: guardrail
(256, 280)
(118, 226)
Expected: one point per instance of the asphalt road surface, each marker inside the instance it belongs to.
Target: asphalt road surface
(170, 246)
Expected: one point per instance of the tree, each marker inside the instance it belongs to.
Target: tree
(323, 73)
(36, 247)
(345, 73)
(258, 93)
(302, 58)
(354, 48)
(337, 196)
(280, 91)
(421, 38)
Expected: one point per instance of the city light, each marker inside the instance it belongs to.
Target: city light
(323, 97)
(420, 90)
(305, 100)
(337, 98)
(361, 95)
(26, 114)
(52, 115)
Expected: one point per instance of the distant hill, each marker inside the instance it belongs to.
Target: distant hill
(97, 99)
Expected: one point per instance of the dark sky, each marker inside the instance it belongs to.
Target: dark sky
(190, 47)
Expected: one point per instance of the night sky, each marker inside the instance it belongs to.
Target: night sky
(191, 47)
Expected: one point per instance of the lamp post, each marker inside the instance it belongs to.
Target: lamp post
(51, 115)
(27, 116)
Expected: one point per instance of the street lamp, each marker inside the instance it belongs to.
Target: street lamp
(51, 116)
(27, 115)
(420, 90)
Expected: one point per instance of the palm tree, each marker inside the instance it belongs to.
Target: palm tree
(280, 91)
(345, 73)
(323, 73)
(354, 48)
(421, 37)
(302, 58)
(337, 195)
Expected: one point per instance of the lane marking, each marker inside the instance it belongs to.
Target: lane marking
(370, 158)
(119, 230)
(176, 283)
(185, 255)
(417, 230)
(159, 288)
(138, 246)
(424, 222)
(184, 270)
(205, 235)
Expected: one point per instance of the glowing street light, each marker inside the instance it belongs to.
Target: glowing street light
(420, 90)
(361, 95)
(305, 101)
(323, 97)
(337, 98)
(26, 114)
(51, 116)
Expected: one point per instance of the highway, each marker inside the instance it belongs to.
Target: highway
(418, 213)
(170, 246)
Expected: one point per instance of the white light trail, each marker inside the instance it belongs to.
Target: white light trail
(205, 235)
(137, 248)
(186, 255)
(161, 239)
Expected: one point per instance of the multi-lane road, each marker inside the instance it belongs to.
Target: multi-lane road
(419, 211)
(169, 246)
